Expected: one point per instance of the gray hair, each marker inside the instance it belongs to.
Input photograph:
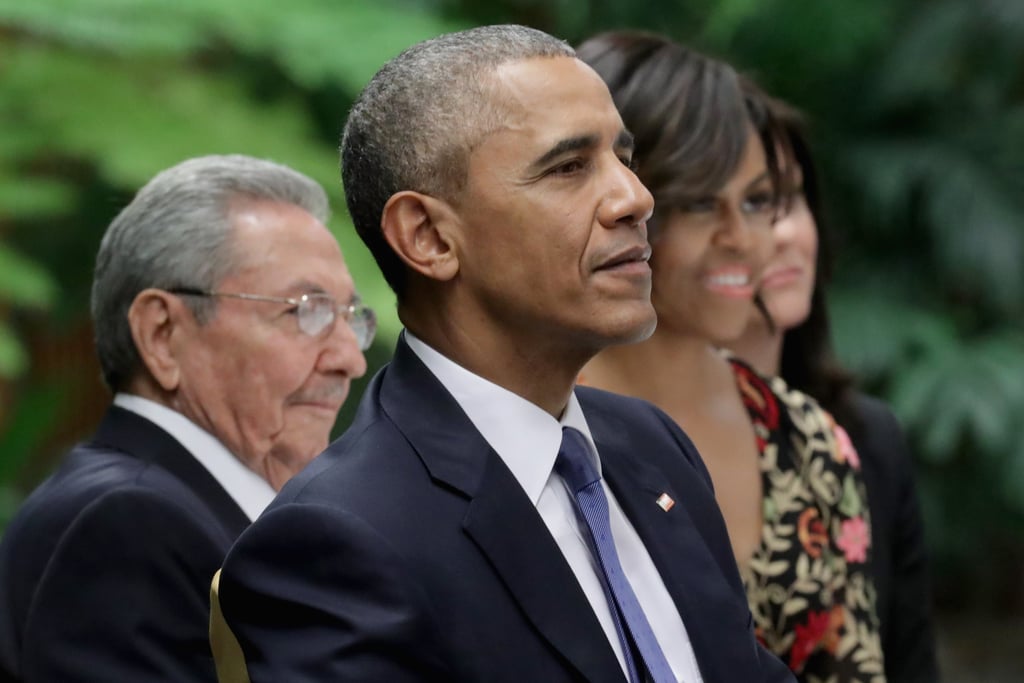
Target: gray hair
(176, 232)
(415, 123)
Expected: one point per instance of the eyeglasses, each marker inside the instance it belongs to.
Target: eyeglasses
(315, 312)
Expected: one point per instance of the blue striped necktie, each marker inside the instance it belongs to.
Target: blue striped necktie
(575, 466)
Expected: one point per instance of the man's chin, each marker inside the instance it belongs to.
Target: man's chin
(635, 328)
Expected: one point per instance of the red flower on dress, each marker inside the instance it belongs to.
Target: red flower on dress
(808, 637)
(757, 395)
(835, 624)
(854, 539)
(811, 532)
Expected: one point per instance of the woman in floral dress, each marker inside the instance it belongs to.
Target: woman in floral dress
(798, 348)
(785, 475)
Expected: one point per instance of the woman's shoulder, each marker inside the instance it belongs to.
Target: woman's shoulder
(880, 438)
(800, 413)
(794, 402)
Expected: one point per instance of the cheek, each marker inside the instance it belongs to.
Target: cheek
(265, 381)
(789, 307)
(803, 234)
(807, 243)
(764, 247)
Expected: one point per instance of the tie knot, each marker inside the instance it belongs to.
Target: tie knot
(574, 463)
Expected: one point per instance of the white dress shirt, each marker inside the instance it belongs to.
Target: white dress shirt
(527, 439)
(251, 491)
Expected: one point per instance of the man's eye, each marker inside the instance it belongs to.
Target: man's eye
(569, 167)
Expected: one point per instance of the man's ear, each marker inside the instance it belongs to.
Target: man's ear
(154, 318)
(419, 228)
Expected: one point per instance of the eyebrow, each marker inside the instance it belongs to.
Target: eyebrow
(304, 286)
(581, 142)
(765, 175)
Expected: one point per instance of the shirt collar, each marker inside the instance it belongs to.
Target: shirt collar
(252, 493)
(523, 435)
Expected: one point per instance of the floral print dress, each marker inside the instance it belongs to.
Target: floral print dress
(808, 586)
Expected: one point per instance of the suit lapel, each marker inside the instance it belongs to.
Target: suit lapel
(500, 519)
(136, 436)
(506, 527)
(707, 603)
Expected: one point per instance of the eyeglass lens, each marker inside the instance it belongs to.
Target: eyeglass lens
(317, 313)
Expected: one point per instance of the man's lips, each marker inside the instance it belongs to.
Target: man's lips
(630, 258)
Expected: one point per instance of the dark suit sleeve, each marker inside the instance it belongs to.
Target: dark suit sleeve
(314, 594)
(909, 643)
(125, 597)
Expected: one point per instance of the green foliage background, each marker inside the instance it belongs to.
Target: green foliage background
(917, 111)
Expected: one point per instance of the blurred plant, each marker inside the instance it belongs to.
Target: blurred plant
(111, 91)
(22, 284)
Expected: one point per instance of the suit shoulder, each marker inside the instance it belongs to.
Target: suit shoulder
(116, 507)
(358, 453)
(103, 492)
(629, 409)
(874, 412)
(89, 474)
(632, 415)
(882, 444)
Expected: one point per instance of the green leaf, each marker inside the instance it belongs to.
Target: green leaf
(34, 197)
(115, 26)
(30, 423)
(1012, 476)
(23, 282)
(13, 359)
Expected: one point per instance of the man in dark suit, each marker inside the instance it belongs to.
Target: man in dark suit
(481, 520)
(220, 304)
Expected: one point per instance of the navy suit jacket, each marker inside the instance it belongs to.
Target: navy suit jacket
(105, 570)
(409, 552)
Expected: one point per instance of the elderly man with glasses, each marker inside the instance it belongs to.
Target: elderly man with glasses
(228, 329)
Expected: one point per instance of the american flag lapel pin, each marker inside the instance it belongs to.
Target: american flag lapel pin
(665, 502)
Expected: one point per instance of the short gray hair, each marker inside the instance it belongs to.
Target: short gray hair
(415, 123)
(176, 233)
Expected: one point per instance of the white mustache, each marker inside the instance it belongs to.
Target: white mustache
(335, 392)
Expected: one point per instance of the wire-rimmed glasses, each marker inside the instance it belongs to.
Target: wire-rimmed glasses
(315, 312)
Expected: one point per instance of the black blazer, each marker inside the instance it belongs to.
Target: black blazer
(409, 552)
(105, 571)
(898, 557)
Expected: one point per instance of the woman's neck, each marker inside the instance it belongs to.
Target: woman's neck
(761, 348)
(668, 369)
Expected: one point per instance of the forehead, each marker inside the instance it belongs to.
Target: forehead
(546, 99)
(282, 249)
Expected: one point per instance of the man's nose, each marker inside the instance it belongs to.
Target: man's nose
(341, 352)
(628, 201)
